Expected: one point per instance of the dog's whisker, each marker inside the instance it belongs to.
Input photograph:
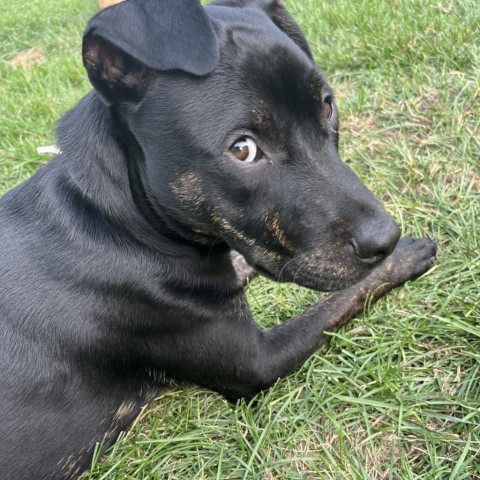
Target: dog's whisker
(279, 276)
(212, 246)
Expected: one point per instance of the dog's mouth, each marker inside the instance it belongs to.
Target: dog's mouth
(327, 277)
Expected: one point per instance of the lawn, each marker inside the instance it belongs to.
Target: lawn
(396, 394)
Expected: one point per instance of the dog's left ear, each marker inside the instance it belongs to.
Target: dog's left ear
(279, 15)
(123, 44)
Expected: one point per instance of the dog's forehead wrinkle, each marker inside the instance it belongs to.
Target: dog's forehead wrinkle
(289, 87)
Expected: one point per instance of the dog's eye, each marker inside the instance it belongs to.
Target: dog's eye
(246, 150)
(327, 108)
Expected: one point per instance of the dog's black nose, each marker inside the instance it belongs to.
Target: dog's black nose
(374, 241)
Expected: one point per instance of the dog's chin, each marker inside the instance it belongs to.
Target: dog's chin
(328, 284)
(320, 279)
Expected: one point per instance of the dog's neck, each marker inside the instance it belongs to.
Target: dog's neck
(105, 169)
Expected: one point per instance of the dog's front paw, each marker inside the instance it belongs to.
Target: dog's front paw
(411, 258)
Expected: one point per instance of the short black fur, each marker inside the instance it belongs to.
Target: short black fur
(116, 274)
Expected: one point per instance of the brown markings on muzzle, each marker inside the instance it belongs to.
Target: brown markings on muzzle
(188, 190)
(272, 223)
(226, 227)
(318, 260)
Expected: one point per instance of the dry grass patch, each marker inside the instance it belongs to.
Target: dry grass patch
(26, 59)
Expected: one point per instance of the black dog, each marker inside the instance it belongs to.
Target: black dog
(209, 129)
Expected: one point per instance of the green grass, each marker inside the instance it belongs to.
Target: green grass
(396, 394)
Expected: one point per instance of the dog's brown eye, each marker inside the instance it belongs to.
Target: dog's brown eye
(246, 150)
(327, 108)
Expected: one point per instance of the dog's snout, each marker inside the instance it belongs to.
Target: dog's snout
(375, 241)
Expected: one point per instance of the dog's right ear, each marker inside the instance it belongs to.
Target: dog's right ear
(279, 16)
(123, 43)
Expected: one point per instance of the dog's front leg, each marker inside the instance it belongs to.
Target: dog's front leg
(291, 343)
(233, 356)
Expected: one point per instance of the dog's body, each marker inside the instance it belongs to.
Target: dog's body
(115, 272)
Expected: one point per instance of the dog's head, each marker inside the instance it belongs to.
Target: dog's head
(236, 134)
